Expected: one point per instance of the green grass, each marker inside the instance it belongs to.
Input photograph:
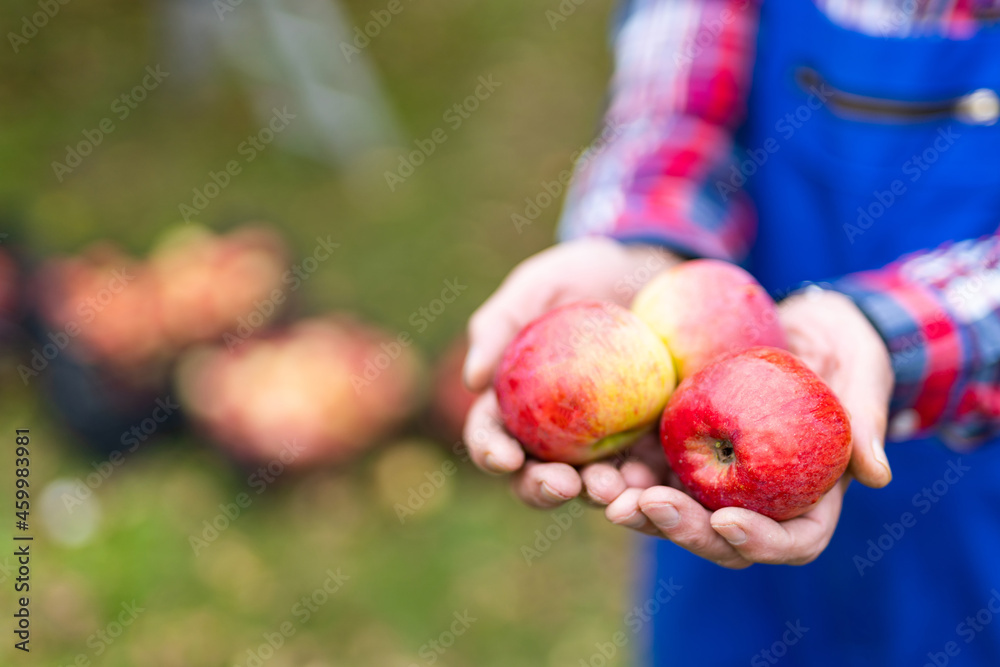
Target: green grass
(451, 220)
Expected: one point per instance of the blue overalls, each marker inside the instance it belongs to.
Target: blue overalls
(909, 563)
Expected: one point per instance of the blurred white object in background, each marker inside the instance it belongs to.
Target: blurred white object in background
(70, 511)
(289, 55)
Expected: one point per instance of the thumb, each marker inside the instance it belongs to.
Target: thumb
(489, 333)
(866, 399)
(519, 300)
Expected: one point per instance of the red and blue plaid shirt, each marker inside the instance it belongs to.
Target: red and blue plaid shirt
(679, 91)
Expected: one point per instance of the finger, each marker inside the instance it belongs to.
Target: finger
(646, 464)
(638, 475)
(490, 446)
(602, 482)
(518, 301)
(794, 542)
(624, 511)
(546, 485)
(866, 399)
(682, 520)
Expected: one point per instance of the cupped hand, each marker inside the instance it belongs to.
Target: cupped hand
(828, 332)
(589, 268)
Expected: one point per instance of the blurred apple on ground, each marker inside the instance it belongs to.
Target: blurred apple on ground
(211, 283)
(331, 386)
(758, 430)
(101, 307)
(705, 308)
(583, 381)
(134, 317)
(451, 400)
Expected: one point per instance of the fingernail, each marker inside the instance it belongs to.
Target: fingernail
(733, 533)
(663, 515)
(471, 364)
(878, 451)
(551, 494)
(490, 463)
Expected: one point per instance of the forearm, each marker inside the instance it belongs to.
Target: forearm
(939, 314)
(679, 90)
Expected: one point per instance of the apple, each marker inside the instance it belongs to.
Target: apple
(758, 430)
(451, 400)
(331, 385)
(209, 284)
(705, 308)
(583, 381)
(105, 302)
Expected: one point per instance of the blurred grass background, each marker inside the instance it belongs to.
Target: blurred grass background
(451, 220)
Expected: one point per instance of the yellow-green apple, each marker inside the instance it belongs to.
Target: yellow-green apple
(583, 381)
(706, 308)
(758, 430)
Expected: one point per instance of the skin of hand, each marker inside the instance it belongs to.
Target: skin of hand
(588, 268)
(825, 329)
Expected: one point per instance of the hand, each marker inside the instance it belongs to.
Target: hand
(828, 332)
(590, 268)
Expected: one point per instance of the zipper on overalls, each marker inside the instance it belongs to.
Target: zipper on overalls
(980, 107)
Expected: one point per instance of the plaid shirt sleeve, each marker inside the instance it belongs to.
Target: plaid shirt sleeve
(939, 313)
(681, 80)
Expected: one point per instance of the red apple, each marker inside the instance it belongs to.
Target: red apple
(705, 308)
(583, 381)
(758, 430)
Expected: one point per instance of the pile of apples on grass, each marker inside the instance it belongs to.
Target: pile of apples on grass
(748, 426)
(205, 312)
